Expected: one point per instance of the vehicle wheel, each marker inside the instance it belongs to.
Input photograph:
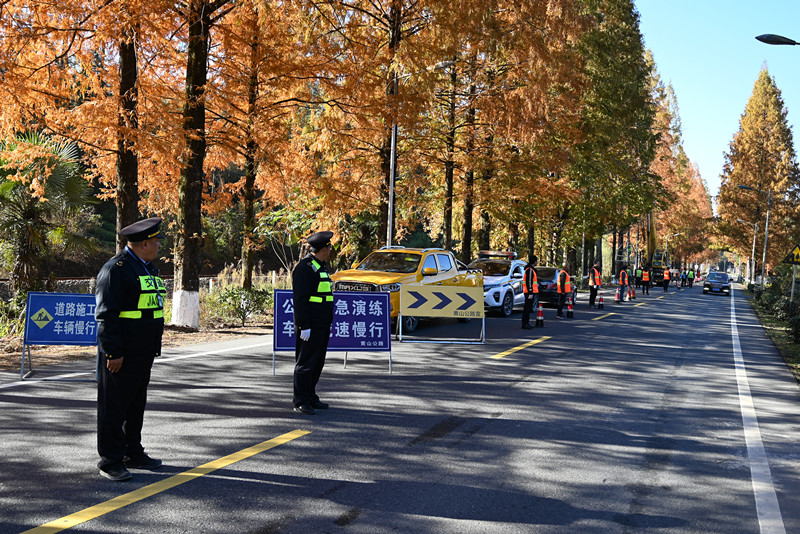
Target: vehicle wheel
(410, 324)
(507, 307)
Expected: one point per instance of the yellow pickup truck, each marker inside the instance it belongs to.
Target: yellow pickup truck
(388, 268)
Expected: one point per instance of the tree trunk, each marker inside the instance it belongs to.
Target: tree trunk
(127, 199)
(614, 266)
(186, 299)
(513, 236)
(249, 194)
(389, 164)
(449, 164)
(484, 241)
(531, 243)
(469, 176)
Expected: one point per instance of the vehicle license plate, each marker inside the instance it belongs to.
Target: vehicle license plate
(714, 289)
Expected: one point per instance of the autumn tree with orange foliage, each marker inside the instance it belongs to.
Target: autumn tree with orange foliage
(70, 69)
(684, 207)
(761, 156)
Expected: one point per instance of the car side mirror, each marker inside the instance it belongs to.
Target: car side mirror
(429, 271)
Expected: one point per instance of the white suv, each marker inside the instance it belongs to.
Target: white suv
(502, 280)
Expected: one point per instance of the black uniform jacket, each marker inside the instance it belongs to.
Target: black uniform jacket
(306, 278)
(118, 289)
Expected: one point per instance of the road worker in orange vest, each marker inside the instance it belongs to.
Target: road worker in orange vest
(530, 287)
(666, 278)
(623, 283)
(647, 274)
(595, 281)
(564, 289)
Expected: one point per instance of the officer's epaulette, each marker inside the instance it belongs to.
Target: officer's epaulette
(122, 258)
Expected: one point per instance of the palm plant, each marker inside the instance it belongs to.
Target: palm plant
(42, 190)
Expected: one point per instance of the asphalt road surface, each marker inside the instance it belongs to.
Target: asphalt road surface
(670, 413)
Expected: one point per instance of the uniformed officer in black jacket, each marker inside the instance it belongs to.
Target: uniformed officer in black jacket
(312, 295)
(130, 322)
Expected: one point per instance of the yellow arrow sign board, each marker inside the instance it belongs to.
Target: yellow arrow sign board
(794, 256)
(441, 301)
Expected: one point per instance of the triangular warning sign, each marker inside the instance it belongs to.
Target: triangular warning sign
(794, 256)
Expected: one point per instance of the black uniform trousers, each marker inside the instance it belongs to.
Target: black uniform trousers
(592, 295)
(645, 287)
(309, 360)
(530, 305)
(562, 299)
(121, 400)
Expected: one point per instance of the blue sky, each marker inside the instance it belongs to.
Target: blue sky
(708, 51)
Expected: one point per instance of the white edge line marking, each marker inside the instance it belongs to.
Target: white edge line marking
(157, 360)
(768, 510)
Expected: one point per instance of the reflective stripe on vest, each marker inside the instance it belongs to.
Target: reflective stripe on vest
(157, 314)
(151, 288)
(597, 280)
(646, 276)
(324, 285)
(623, 278)
(534, 284)
(567, 285)
(666, 275)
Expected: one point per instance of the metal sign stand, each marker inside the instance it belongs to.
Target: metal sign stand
(283, 312)
(480, 341)
(442, 302)
(74, 315)
(23, 375)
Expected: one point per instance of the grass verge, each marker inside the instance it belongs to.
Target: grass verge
(778, 331)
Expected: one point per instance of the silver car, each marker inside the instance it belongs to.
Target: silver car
(502, 283)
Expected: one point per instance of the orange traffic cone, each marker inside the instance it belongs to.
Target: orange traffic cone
(616, 298)
(570, 313)
(540, 317)
(600, 302)
(633, 292)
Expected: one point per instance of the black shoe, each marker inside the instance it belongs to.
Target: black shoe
(117, 474)
(305, 408)
(142, 462)
(319, 405)
(527, 327)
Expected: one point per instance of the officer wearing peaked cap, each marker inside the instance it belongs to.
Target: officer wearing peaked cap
(130, 322)
(312, 295)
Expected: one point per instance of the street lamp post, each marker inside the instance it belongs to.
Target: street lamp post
(768, 194)
(751, 264)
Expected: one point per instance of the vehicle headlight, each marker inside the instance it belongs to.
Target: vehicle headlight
(391, 288)
(487, 287)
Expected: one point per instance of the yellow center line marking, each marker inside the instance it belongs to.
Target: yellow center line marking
(523, 346)
(116, 503)
(604, 316)
(640, 304)
(661, 297)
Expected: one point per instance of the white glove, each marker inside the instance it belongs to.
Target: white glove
(305, 334)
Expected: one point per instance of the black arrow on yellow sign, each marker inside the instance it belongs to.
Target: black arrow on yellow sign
(794, 256)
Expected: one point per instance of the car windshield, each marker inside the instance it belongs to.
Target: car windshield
(491, 267)
(390, 262)
(717, 277)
